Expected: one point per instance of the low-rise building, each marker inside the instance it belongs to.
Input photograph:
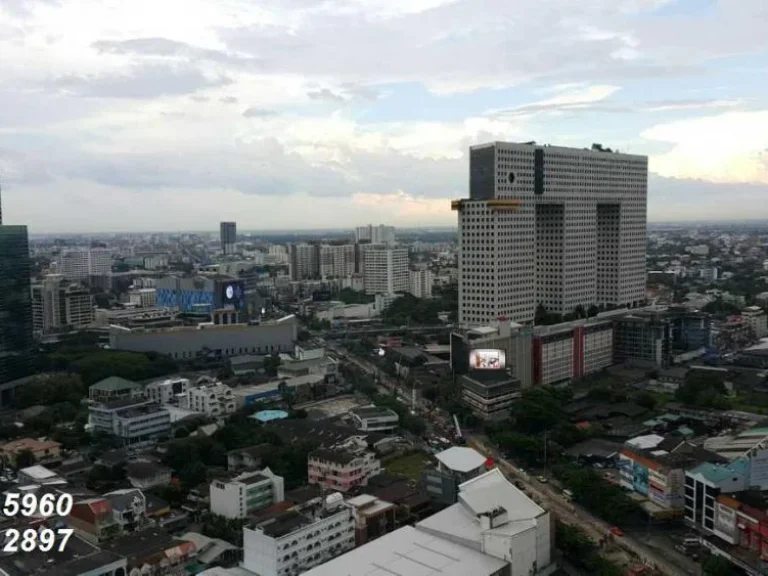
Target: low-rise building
(215, 399)
(490, 394)
(144, 475)
(755, 318)
(44, 451)
(129, 509)
(247, 458)
(704, 483)
(374, 419)
(300, 538)
(246, 493)
(454, 467)
(115, 388)
(493, 530)
(341, 469)
(166, 391)
(655, 467)
(134, 422)
(373, 517)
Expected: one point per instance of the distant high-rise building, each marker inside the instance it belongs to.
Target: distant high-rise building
(337, 261)
(16, 342)
(304, 261)
(228, 235)
(386, 270)
(560, 227)
(380, 234)
(80, 263)
(421, 283)
(57, 304)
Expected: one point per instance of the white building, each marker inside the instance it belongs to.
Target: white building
(81, 263)
(709, 274)
(562, 227)
(493, 530)
(386, 270)
(135, 423)
(246, 493)
(341, 469)
(156, 262)
(337, 261)
(166, 391)
(380, 234)
(143, 297)
(421, 282)
(300, 539)
(214, 399)
(755, 317)
(374, 419)
(56, 305)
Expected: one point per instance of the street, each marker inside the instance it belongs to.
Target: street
(550, 498)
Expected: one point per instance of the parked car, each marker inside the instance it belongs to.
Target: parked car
(616, 531)
(542, 479)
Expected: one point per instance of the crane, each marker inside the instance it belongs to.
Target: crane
(459, 436)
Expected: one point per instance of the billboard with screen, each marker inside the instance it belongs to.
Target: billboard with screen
(233, 294)
(487, 359)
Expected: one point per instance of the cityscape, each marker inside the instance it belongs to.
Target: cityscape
(291, 290)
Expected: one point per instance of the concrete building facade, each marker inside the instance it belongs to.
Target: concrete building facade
(421, 282)
(228, 236)
(386, 270)
(246, 493)
(561, 227)
(81, 263)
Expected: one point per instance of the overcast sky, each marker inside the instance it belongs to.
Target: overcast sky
(138, 115)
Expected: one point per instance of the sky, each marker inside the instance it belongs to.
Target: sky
(304, 114)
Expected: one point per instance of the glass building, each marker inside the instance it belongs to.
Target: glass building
(16, 343)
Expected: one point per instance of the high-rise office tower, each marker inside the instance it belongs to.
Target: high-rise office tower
(561, 227)
(386, 270)
(16, 343)
(228, 236)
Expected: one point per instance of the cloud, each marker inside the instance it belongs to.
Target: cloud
(728, 147)
(568, 99)
(255, 112)
(140, 82)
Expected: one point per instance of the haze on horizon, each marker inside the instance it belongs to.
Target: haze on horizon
(288, 114)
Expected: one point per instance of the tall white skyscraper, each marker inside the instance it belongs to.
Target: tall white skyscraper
(562, 227)
(386, 270)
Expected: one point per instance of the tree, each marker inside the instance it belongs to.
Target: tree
(702, 388)
(593, 311)
(646, 400)
(718, 566)
(271, 364)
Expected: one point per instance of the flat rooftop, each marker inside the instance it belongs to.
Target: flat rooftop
(410, 552)
(461, 459)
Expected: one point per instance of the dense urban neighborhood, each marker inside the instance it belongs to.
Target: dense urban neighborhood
(375, 401)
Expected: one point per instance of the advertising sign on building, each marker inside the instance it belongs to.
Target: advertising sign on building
(640, 478)
(725, 522)
(486, 359)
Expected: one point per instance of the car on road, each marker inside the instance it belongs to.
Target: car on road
(616, 531)
(542, 479)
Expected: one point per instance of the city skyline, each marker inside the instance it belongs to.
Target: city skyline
(304, 116)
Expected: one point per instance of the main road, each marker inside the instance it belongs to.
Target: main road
(564, 510)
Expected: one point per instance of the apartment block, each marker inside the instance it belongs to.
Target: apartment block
(560, 227)
(337, 261)
(304, 261)
(228, 236)
(214, 399)
(166, 391)
(79, 264)
(380, 234)
(246, 493)
(341, 469)
(58, 305)
(300, 538)
(571, 350)
(755, 318)
(386, 270)
(421, 282)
